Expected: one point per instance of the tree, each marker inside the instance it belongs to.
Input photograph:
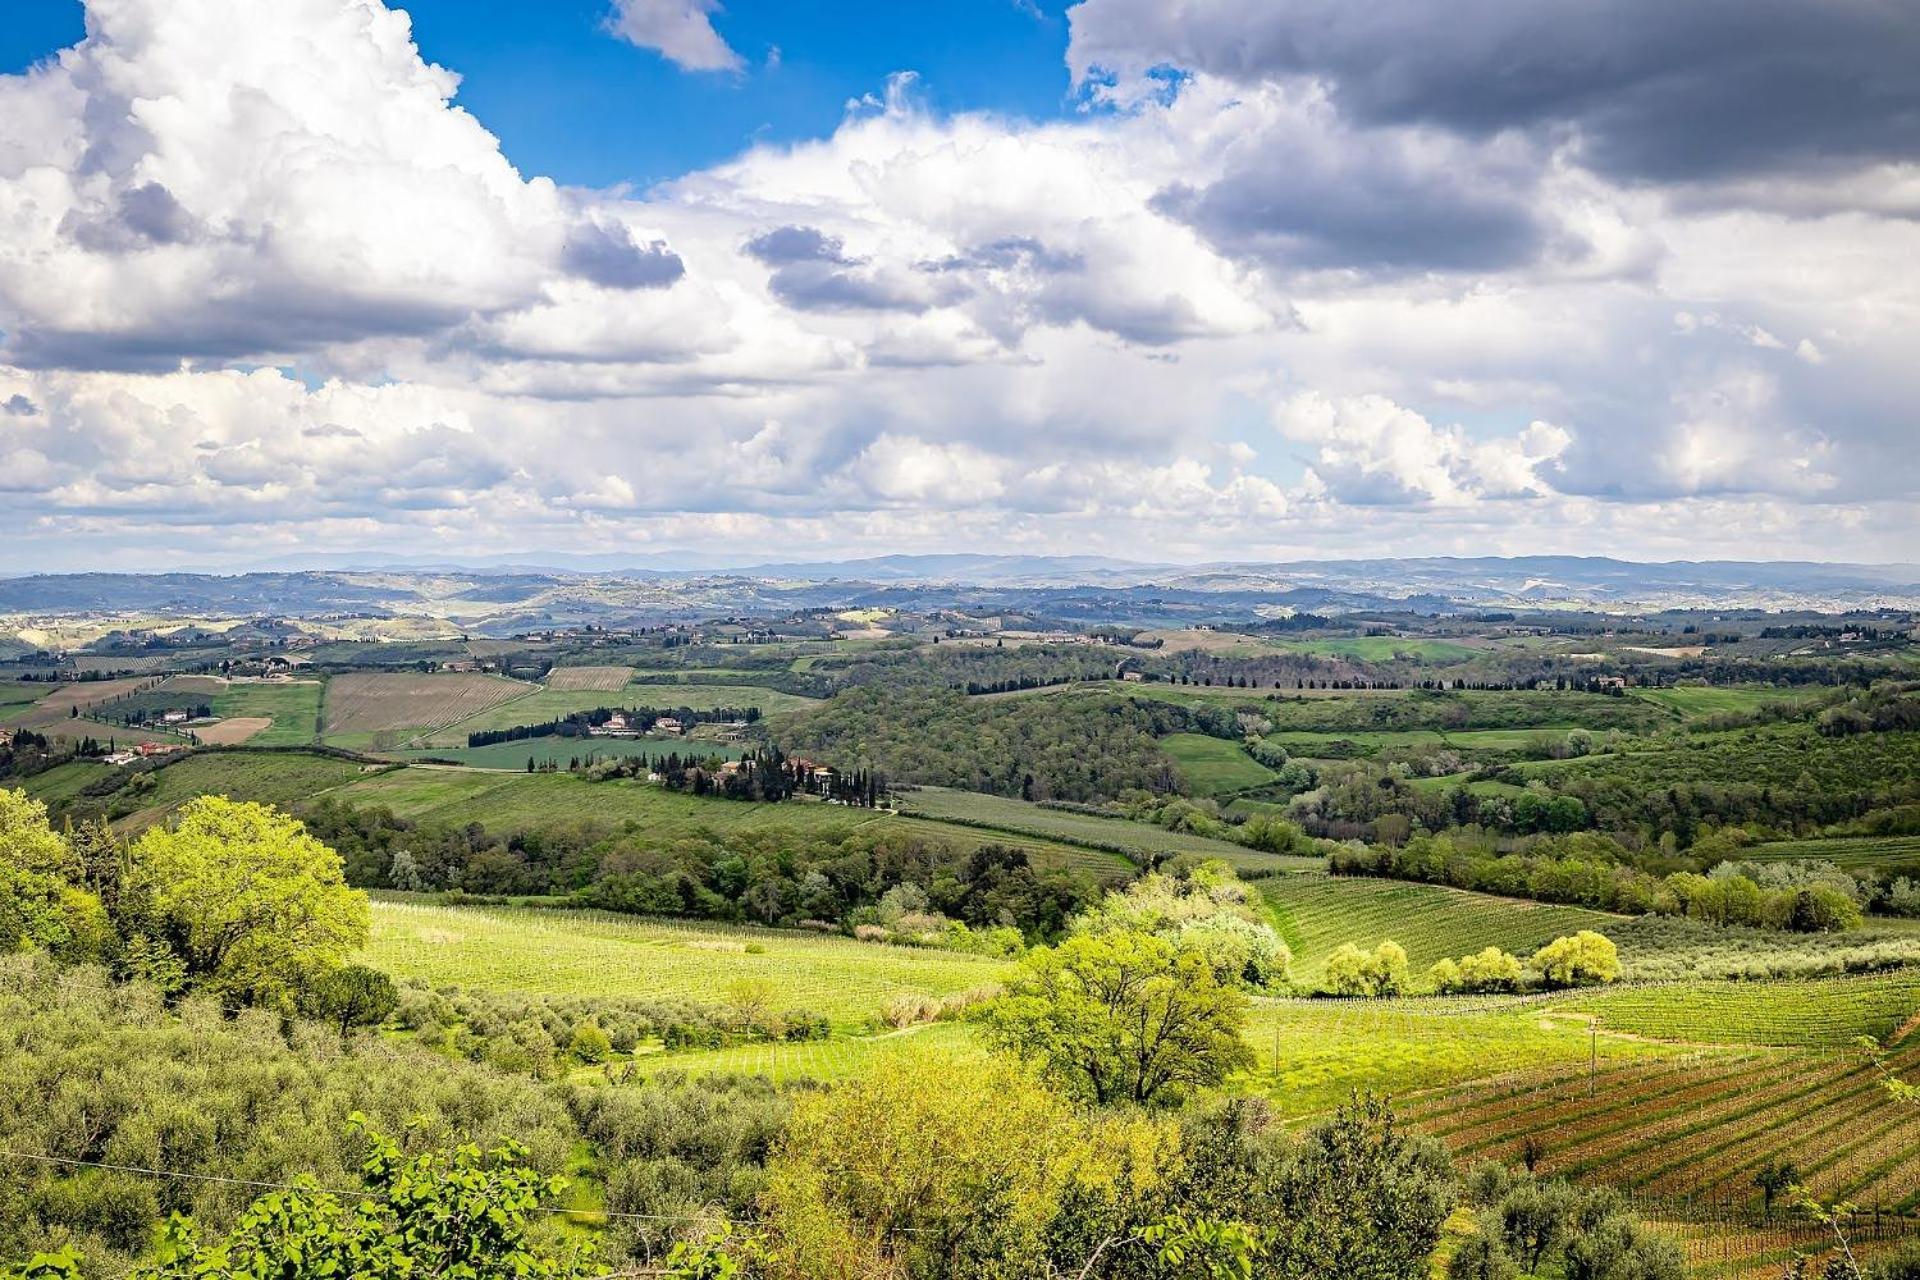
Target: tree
(41, 909)
(456, 1213)
(1361, 1199)
(253, 904)
(1122, 1017)
(589, 1043)
(354, 996)
(1584, 959)
(1381, 972)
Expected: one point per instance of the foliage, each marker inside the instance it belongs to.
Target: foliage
(460, 1213)
(1122, 1016)
(1381, 972)
(928, 1168)
(41, 905)
(1487, 970)
(251, 902)
(1200, 907)
(353, 996)
(1585, 959)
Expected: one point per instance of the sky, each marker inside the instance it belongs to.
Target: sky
(1154, 279)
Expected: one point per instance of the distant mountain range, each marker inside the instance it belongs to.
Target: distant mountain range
(504, 595)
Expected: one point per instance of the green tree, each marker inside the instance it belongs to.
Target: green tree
(1360, 1199)
(352, 996)
(459, 1213)
(1380, 972)
(253, 904)
(1584, 959)
(1775, 1177)
(1122, 1017)
(41, 908)
(589, 1043)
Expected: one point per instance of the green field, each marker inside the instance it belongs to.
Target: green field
(60, 783)
(293, 706)
(1316, 913)
(1695, 702)
(16, 695)
(559, 751)
(1385, 648)
(1137, 840)
(1321, 743)
(1790, 755)
(817, 1060)
(1214, 766)
(595, 953)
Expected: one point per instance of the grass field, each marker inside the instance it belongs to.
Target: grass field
(818, 1060)
(1316, 913)
(55, 704)
(1694, 702)
(705, 697)
(1137, 840)
(589, 953)
(17, 695)
(293, 706)
(360, 702)
(1319, 743)
(604, 679)
(1385, 648)
(1214, 766)
(513, 755)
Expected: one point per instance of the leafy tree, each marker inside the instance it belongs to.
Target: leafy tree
(1361, 1199)
(1584, 959)
(1122, 1017)
(928, 1167)
(1381, 972)
(354, 995)
(589, 1043)
(40, 908)
(458, 1213)
(251, 902)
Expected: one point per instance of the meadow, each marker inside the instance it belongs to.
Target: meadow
(1315, 913)
(594, 953)
(1214, 766)
(1695, 702)
(560, 751)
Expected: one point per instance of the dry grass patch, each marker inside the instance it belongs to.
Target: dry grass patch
(372, 701)
(574, 679)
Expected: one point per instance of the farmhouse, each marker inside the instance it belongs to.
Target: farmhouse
(667, 724)
(120, 757)
(160, 748)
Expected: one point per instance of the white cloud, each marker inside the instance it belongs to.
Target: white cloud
(680, 31)
(917, 331)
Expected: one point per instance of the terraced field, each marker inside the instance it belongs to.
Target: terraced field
(589, 953)
(1315, 913)
(1136, 840)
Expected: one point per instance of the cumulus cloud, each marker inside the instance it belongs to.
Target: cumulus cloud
(263, 281)
(1646, 88)
(679, 30)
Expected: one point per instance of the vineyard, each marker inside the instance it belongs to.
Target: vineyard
(362, 702)
(1689, 1131)
(1824, 1012)
(1844, 851)
(604, 679)
(1316, 913)
(814, 1060)
(588, 953)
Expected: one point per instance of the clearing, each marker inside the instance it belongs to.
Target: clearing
(1214, 766)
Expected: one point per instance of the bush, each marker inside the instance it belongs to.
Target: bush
(589, 1044)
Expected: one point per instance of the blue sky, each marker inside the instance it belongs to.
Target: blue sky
(570, 102)
(1387, 277)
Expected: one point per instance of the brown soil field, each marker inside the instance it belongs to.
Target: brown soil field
(194, 684)
(232, 732)
(571, 679)
(369, 701)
